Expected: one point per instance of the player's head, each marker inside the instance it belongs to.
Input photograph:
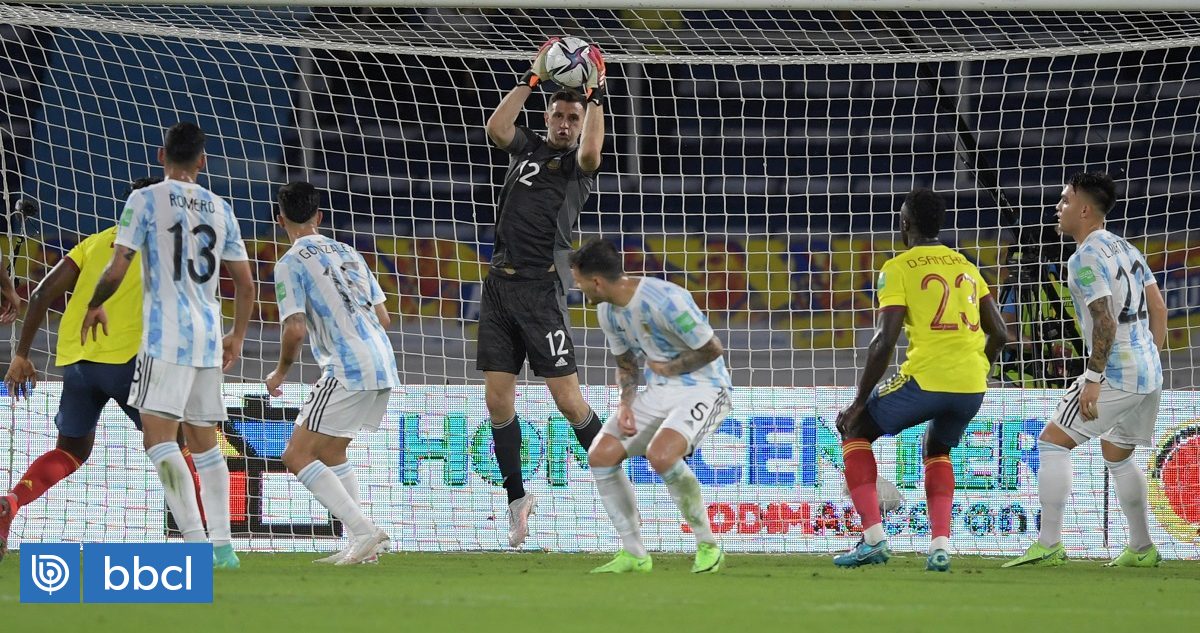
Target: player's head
(922, 215)
(1085, 202)
(299, 204)
(142, 183)
(183, 147)
(597, 266)
(564, 118)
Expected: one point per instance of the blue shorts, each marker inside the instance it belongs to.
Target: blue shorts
(87, 387)
(900, 403)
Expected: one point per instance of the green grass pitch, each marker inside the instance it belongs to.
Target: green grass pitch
(464, 593)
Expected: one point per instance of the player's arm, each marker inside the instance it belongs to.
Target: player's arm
(501, 126)
(291, 337)
(381, 313)
(243, 306)
(627, 376)
(106, 286)
(994, 327)
(1104, 333)
(10, 301)
(879, 356)
(1157, 306)
(592, 140)
(690, 360)
(112, 276)
(61, 279)
(879, 352)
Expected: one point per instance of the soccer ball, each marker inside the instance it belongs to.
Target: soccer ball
(567, 62)
(890, 497)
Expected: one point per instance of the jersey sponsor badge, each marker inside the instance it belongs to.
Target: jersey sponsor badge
(280, 290)
(685, 323)
(1087, 276)
(127, 216)
(882, 281)
(553, 164)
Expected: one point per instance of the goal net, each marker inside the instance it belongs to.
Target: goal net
(756, 157)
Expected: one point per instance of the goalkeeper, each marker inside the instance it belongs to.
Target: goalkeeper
(523, 311)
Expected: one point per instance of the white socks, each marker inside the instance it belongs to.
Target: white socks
(1130, 483)
(345, 474)
(1054, 486)
(179, 489)
(326, 487)
(685, 490)
(214, 492)
(616, 493)
(874, 534)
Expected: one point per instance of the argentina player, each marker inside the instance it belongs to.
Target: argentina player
(523, 310)
(325, 287)
(687, 396)
(184, 233)
(1123, 318)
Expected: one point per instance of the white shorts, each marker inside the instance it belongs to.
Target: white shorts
(693, 412)
(1125, 418)
(177, 392)
(332, 410)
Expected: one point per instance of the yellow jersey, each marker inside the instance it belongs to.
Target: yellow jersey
(940, 290)
(124, 308)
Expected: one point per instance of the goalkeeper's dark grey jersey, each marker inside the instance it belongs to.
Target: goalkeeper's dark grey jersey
(544, 191)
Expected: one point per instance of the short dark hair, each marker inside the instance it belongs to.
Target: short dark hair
(928, 211)
(298, 201)
(142, 183)
(184, 143)
(568, 95)
(1098, 186)
(598, 257)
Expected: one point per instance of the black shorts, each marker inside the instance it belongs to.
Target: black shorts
(521, 319)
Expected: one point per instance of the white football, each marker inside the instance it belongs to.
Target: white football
(567, 62)
(890, 497)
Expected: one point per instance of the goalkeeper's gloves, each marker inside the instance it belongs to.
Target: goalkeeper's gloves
(594, 85)
(537, 70)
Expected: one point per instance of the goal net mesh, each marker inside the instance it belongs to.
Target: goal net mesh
(757, 158)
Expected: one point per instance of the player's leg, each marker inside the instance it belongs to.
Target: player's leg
(606, 458)
(204, 412)
(694, 414)
(333, 455)
(78, 412)
(939, 501)
(327, 423)
(1135, 427)
(861, 471)
(116, 381)
(1055, 444)
(500, 396)
(551, 351)
(156, 389)
(500, 355)
(359, 411)
(569, 399)
(944, 433)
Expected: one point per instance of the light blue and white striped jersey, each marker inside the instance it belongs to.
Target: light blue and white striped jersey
(1106, 265)
(183, 232)
(660, 322)
(330, 283)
